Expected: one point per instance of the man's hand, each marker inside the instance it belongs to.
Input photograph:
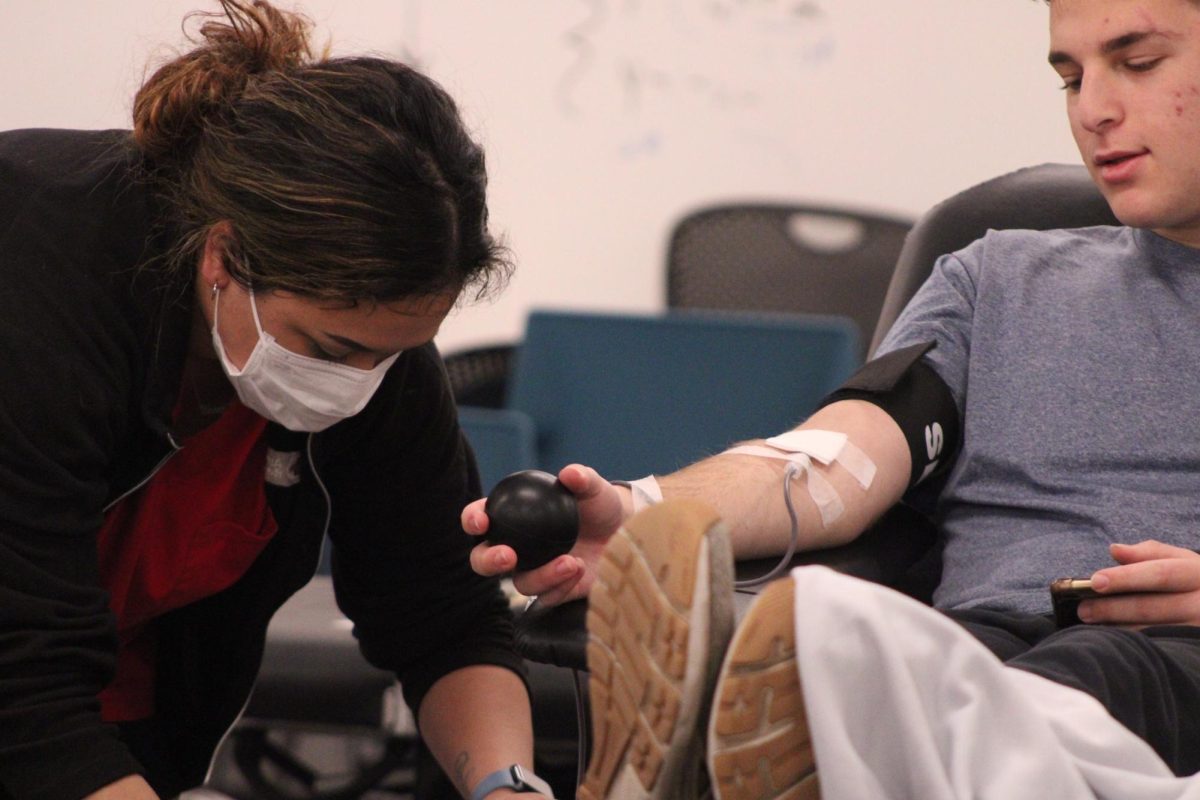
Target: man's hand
(602, 509)
(1155, 584)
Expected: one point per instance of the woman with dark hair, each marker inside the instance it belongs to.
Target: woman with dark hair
(217, 351)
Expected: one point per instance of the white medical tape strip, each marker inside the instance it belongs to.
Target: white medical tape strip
(824, 446)
(828, 501)
(828, 447)
(858, 464)
(646, 492)
(802, 448)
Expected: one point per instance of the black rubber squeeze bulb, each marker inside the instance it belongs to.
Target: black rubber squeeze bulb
(534, 514)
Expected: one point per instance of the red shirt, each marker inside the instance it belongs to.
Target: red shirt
(190, 532)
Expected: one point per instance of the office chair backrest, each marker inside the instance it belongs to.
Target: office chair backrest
(479, 375)
(1037, 198)
(631, 395)
(792, 258)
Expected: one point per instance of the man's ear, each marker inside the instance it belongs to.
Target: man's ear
(220, 244)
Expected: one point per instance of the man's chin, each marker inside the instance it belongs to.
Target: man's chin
(1174, 226)
(1132, 211)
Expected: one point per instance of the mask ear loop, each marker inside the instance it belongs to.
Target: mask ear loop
(254, 310)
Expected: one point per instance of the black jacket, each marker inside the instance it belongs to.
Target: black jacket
(92, 339)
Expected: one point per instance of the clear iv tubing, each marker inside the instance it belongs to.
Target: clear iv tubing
(793, 469)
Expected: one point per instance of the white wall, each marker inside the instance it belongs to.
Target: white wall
(605, 119)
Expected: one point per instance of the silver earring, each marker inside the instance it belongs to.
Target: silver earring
(214, 292)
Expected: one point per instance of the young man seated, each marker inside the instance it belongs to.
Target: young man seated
(1041, 394)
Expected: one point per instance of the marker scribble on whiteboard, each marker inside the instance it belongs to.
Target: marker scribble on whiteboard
(647, 143)
(629, 57)
(579, 41)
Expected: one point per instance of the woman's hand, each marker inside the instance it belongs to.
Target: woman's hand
(1155, 584)
(602, 509)
(131, 787)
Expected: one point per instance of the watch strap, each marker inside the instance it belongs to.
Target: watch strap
(511, 777)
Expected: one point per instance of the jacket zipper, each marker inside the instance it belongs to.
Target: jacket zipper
(175, 448)
(312, 465)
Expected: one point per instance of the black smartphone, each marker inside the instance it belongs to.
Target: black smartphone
(1065, 594)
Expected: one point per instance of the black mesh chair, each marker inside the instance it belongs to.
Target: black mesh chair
(750, 257)
(901, 549)
(792, 258)
(479, 375)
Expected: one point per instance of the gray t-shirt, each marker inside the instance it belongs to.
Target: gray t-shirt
(1074, 357)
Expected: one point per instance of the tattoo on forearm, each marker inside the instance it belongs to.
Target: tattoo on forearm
(462, 771)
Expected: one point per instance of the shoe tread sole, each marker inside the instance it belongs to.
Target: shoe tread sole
(759, 744)
(639, 630)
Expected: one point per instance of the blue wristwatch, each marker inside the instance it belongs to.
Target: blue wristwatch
(513, 777)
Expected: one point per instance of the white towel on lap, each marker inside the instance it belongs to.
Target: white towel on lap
(904, 703)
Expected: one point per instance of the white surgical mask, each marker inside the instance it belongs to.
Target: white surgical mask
(301, 393)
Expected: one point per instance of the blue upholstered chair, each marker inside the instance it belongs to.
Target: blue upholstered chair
(634, 394)
(503, 441)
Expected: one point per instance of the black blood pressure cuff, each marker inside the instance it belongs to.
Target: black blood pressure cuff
(915, 396)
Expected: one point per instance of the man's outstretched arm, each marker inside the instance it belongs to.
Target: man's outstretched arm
(746, 491)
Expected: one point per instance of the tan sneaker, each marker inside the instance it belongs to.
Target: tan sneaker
(758, 741)
(659, 618)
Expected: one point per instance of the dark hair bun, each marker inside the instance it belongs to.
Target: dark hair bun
(246, 38)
